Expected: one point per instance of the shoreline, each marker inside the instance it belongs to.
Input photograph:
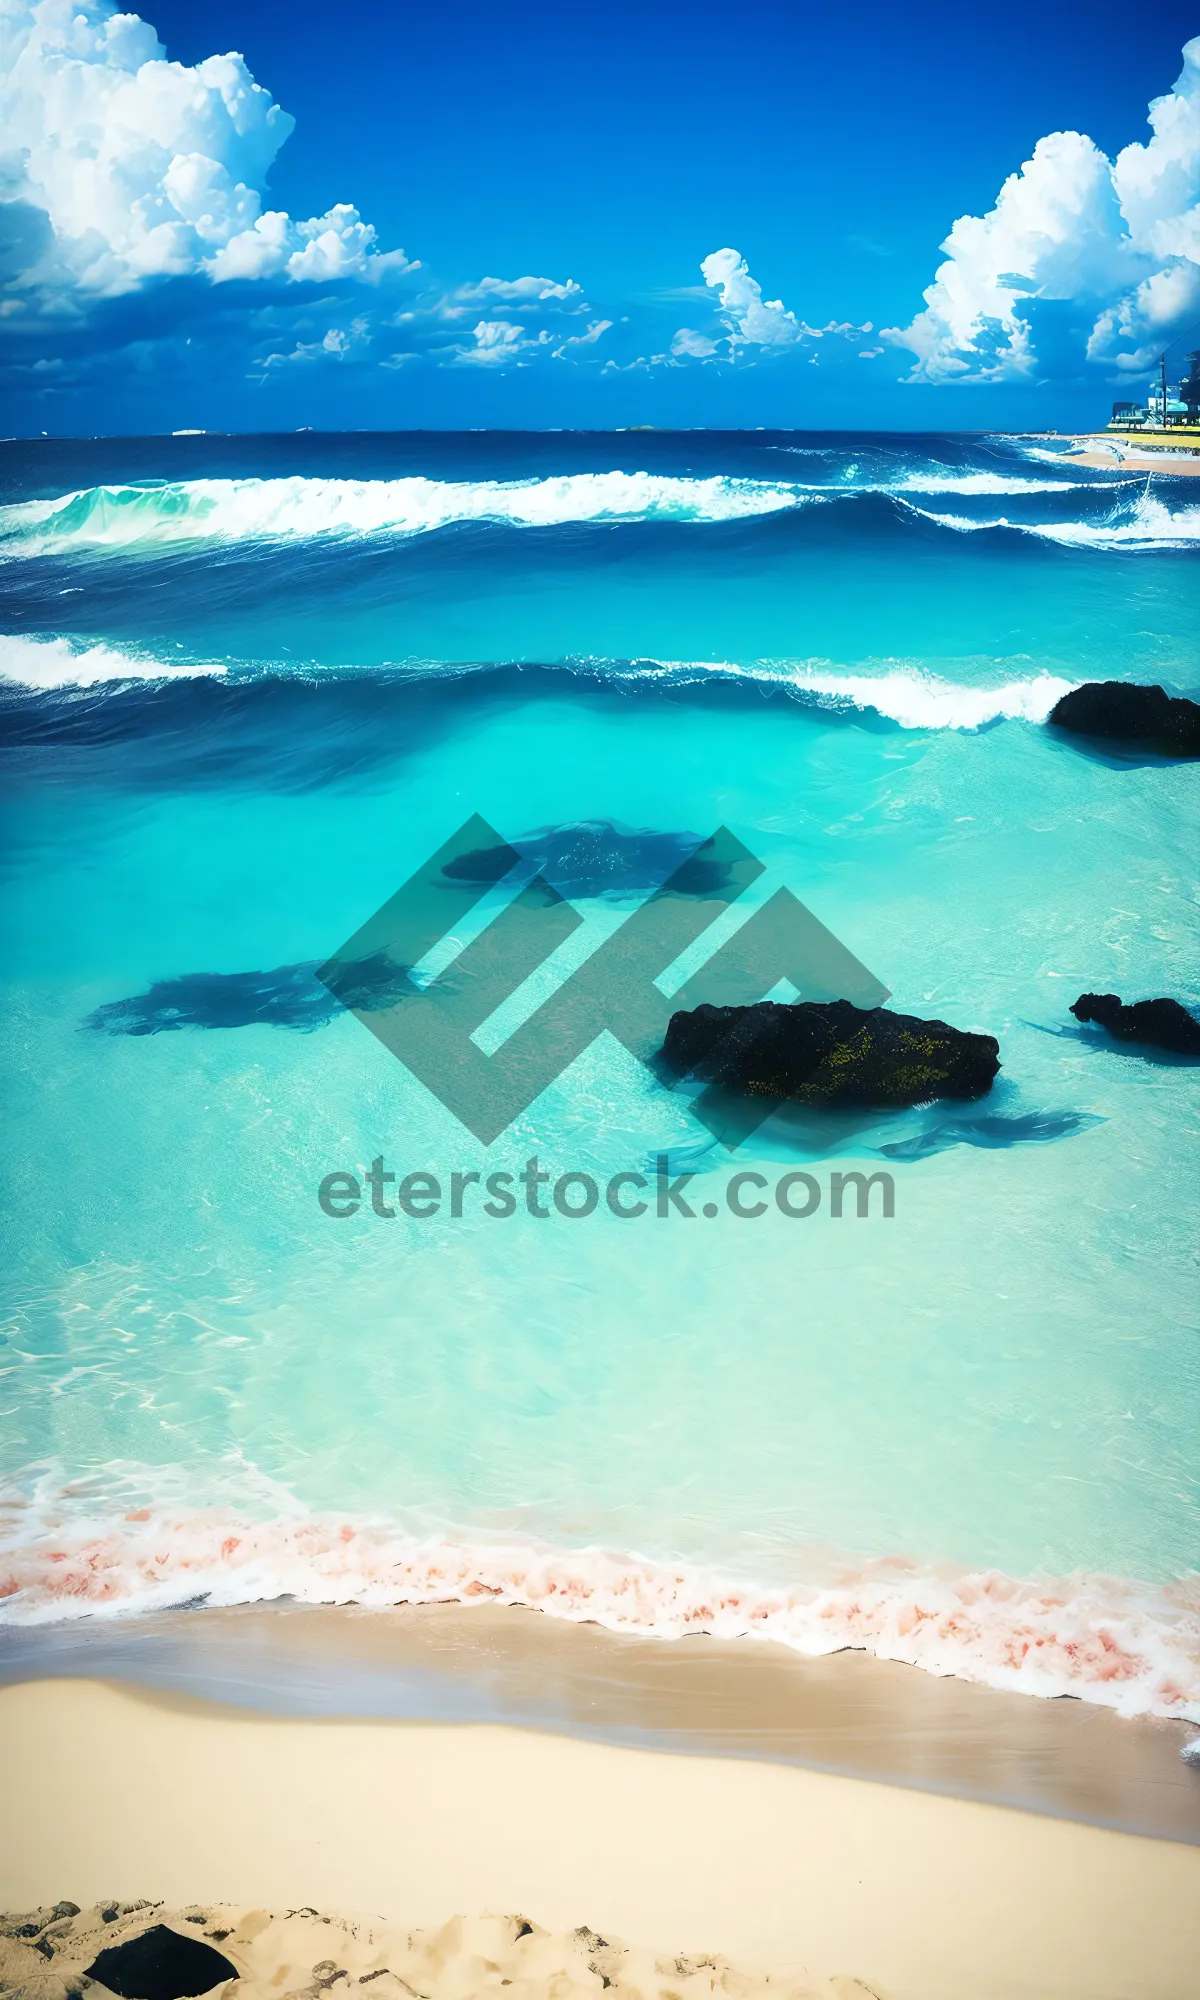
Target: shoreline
(847, 1714)
(1119, 1643)
(116, 1792)
(1122, 454)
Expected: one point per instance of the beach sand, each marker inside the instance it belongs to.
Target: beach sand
(115, 1791)
(1133, 461)
(1114, 453)
(304, 1954)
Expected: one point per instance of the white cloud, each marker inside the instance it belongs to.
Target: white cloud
(696, 346)
(335, 345)
(751, 319)
(1120, 240)
(746, 319)
(588, 339)
(642, 361)
(518, 292)
(149, 169)
(498, 343)
(548, 310)
(503, 343)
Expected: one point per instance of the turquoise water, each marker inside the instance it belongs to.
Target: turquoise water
(241, 714)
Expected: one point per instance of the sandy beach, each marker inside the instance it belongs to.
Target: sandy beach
(116, 1792)
(830, 1821)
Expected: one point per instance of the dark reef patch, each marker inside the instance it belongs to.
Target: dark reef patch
(600, 857)
(829, 1053)
(1164, 1024)
(994, 1132)
(287, 996)
(1121, 712)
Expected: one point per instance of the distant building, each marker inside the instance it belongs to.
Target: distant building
(1175, 412)
(1182, 404)
(1127, 416)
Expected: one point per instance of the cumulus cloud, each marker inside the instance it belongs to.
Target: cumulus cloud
(745, 319)
(1116, 241)
(120, 167)
(499, 343)
(751, 319)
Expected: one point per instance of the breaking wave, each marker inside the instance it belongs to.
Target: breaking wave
(984, 483)
(1130, 1647)
(266, 509)
(905, 695)
(171, 514)
(62, 663)
(918, 700)
(1146, 525)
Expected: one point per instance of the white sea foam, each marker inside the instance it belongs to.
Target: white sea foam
(1151, 525)
(922, 701)
(58, 663)
(248, 510)
(259, 509)
(914, 699)
(907, 695)
(941, 479)
(1126, 1646)
(983, 483)
(1147, 525)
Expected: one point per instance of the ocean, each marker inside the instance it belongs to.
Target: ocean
(251, 685)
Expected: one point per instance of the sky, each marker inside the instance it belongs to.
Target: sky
(261, 216)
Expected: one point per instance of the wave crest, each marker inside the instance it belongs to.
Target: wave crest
(267, 509)
(907, 695)
(1146, 526)
(173, 513)
(918, 700)
(45, 664)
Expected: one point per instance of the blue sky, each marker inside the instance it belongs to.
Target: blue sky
(388, 216)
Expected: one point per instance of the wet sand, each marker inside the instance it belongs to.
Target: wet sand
(846, 1713)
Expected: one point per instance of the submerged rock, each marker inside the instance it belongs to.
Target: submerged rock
(159, 1964)
(830, 1053)
(1162, 1023)
(1122, 712)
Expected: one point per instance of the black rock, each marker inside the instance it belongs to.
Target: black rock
(1163, 1023)
(159, 1964)
(1122, 712)
(830, 1053)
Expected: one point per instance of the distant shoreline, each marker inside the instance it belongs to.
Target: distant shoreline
(1104, 450)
